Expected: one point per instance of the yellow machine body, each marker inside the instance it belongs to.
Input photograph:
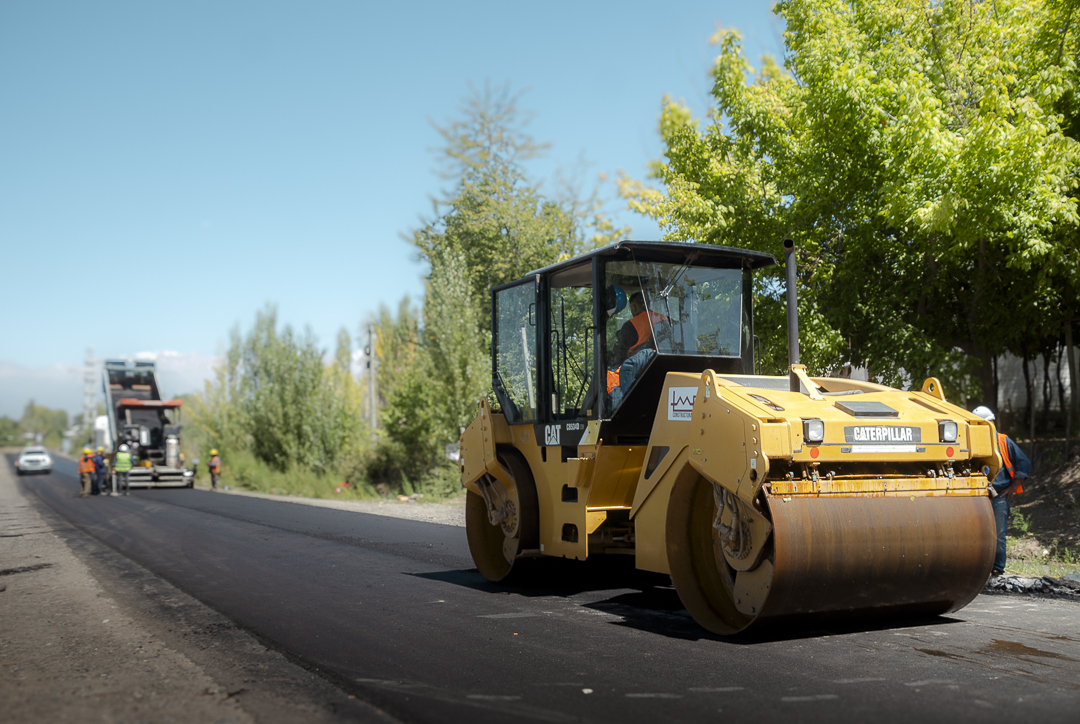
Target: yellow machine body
(760, 502)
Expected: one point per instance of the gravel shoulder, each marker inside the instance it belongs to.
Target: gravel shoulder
(450, 512)
(87, 635)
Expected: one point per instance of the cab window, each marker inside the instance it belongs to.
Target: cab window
(515, 351)
(571, 343)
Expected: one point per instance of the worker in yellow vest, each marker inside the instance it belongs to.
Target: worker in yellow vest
(122, 466)
(215, 468)
(86, 471)
(1015, 467)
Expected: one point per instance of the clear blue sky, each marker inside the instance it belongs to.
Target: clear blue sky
(168, 168)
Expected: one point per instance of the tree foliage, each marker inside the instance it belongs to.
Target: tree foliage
(9, 430)
(38, 420)
(495, 217)
(922, 154)
(274, 396)
(43, 423)
(493, 226)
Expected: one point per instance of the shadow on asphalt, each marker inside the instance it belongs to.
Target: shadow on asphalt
(540, 577)
(648, 602)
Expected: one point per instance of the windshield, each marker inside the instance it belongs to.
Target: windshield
(686, 309)
(34, 451)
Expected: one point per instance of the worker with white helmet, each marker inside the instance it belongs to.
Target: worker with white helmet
(122, 466)
(1015, 468)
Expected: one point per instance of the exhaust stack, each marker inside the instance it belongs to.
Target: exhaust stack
(792, 313)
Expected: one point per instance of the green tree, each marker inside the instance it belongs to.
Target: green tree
(218, 413)
(397, 346)
(456, 343)
(494, 226)
(9, 431)
(495, 216)
(44, 423)
(273, 395)
(916, 152)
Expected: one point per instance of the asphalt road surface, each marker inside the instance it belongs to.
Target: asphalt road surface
(393, 612)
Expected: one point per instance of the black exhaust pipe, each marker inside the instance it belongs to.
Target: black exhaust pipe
(792, 313)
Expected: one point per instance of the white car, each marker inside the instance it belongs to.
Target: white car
(34, 459)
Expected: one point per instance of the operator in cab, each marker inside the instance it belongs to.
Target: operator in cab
(634, 345)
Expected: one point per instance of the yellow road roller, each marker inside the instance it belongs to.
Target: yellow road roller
(629, 421)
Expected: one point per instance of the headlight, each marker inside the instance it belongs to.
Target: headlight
(813, 430)
(947, 431)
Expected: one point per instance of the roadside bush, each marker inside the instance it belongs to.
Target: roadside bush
(242, 470)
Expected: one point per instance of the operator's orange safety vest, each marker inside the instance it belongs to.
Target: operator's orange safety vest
(644, 328)
(1003, 446)
(215, 465)
(86, 464)
(644, 336)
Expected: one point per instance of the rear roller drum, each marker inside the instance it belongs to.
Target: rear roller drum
(499, 532)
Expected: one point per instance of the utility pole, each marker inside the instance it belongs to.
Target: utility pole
(89, 394)
(372, 363)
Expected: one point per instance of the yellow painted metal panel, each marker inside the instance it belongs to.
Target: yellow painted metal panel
(669, 430)
(615, 475)
(594, 519)
(980, 441)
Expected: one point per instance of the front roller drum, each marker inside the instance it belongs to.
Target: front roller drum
(843, 555)
(497, 541)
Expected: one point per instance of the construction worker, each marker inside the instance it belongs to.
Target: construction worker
(634, 345)
(86, 472)
(101, 467)
(215, 468)
(1015, 468)
(122, 466)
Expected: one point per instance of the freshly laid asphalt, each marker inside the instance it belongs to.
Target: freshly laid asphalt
(394, 612)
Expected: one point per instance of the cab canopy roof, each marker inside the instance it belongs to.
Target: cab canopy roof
(669, 252)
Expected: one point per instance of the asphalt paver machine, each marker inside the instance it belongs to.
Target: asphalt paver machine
(149, 425)
(763, 497)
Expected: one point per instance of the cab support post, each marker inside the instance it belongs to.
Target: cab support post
(792, 313)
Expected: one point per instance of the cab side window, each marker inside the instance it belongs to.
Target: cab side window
(571, 345)
(515, 351)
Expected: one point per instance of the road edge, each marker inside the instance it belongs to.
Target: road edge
(267, 684)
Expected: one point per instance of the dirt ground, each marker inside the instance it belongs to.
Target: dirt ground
(88, 636)
(68, 652)
(1051, 505)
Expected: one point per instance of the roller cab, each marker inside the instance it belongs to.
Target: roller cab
(629, 422)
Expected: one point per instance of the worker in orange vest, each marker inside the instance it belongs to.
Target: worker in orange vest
(86, 471)
(215, 468)
(634, 345)
(1015, 467)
